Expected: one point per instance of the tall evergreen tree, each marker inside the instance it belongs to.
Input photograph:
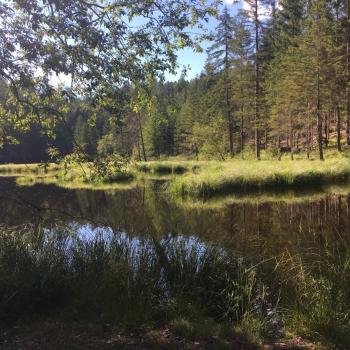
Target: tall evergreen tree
(255, 7)
(289, 22)
(243, 71)
(220, 57)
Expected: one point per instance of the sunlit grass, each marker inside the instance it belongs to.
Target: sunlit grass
(201, 178)
(74, 185)
(225, 177)
(27, 169)
(73, 176)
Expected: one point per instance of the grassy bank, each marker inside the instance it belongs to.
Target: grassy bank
(74, 184)
(197, 179)
(28, 169)
(73, 176)
(196, 290)
(227, 177)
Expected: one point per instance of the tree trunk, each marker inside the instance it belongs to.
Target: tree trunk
(257, 80)
(319, 118)
(312, 136)
(326, 130)
(297, 142)
(338, 129)
(308, 136)
(228, 107)
(319, 135)
(348, 73)
(122, 140)
(329, 124)
(279, 146)
(138, 146)
(142, 140)
(242, 105)
(229, 119)
(291, 135)
(230, 126)
(318, 111)
(242, 131)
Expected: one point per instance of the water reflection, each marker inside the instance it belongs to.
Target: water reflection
(147, 210)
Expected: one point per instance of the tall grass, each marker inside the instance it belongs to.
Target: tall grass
(222, 178)
(122, 280)
(74, 175)
(193, 287)
(26, 169)
(316, 291)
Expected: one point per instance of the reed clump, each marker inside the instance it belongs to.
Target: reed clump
(121, 280)
(196, 289)
(316, 292)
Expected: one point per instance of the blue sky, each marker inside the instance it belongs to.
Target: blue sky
(194, 61)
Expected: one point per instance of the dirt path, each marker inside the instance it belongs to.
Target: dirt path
(60, 336)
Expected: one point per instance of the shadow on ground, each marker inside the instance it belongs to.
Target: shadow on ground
(62, 336)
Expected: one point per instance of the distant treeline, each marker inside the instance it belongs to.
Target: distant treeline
(278, 81)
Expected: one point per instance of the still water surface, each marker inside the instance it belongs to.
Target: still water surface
(272, 222)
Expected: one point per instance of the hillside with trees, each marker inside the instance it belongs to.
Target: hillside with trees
(276, 79)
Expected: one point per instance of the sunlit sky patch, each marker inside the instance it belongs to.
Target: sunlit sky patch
(195, 61)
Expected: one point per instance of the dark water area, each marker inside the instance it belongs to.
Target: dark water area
(293, 220)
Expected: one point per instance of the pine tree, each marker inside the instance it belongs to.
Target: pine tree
(347, 28)
(220, 57)
(188, 114)
(242, 74)
(338, 60)
(255, 7)
(289, 23)
(155, 125)
(316, 44)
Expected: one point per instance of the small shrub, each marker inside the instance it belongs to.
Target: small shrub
(252, 329)
(111, 168)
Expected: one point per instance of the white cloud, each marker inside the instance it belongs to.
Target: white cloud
(264, 12)
(246, 6)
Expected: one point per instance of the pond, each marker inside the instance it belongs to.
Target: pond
(280, 220)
